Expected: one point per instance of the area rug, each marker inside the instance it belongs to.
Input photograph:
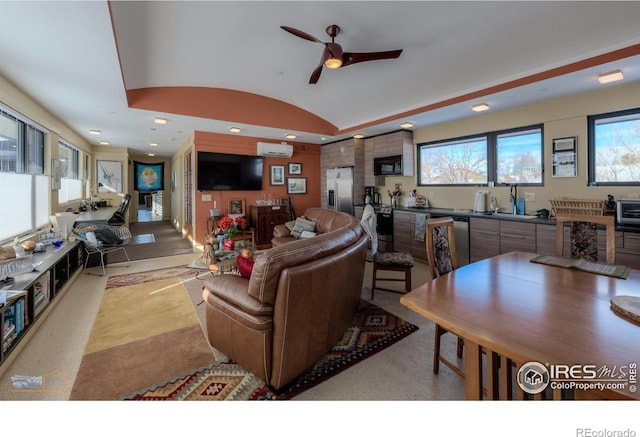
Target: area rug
(143, 333)
(373, 330)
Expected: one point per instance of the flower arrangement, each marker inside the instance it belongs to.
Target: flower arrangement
(230, 226)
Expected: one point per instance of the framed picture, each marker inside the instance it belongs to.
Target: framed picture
(148, 177)
(296, 185)
(237, 206)
(277, 175)
(565, 164)
(295, 168)
(109, 176)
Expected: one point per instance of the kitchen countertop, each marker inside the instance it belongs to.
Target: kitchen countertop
(440, 212)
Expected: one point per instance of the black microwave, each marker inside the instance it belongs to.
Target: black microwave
(389, 165)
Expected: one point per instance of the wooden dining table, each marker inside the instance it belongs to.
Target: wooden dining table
(510, 311)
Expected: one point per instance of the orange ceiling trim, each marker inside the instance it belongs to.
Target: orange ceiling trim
(223, 104)
(594, 61)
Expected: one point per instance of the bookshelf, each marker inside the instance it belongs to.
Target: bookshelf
(31, 296)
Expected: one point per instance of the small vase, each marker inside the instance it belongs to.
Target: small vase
(228, 244)
(220, 239)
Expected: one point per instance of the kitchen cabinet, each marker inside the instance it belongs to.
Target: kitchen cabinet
(627, 249)
(404, 228)
(491, 237)
(545, 239)
(517, 236)
(484, 238)
(265, 219)
(391, 144)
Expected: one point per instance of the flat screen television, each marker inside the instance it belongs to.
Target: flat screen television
(224, 172)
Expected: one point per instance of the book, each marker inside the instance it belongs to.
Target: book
(615, 271)
(8, 296)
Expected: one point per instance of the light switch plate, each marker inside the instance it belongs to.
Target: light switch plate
(206, 197)
(529, 197)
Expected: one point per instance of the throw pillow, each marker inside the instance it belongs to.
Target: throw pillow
(107, 237)
(302, 224)
(290, 225)
(307, 234)
(245, 266)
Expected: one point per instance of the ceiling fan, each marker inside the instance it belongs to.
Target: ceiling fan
(333, 56)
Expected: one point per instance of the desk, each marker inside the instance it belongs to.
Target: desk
(520, 311)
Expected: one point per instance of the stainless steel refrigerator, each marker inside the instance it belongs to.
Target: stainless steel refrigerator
(340, 189)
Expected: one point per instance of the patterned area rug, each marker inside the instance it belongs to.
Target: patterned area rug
(373, 330)
(148, 276)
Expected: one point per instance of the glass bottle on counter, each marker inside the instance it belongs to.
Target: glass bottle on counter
(493, 206)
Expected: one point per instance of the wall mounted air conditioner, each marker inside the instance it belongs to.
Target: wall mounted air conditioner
(283, 150)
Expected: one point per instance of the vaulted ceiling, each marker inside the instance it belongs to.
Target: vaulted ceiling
(210, 66)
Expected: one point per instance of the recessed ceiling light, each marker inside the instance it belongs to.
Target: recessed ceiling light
(153, 144)
(480, 107)
(358, 136)
(94, 132)
(104, 143)
(235, 130)
(159, 120)
(406, 125)
(611, 76)
(290, 136)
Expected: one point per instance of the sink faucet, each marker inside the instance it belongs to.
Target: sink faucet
(514, 199)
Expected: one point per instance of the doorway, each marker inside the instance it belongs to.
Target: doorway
(149, 206)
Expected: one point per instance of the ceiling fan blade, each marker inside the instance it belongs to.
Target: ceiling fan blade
(300, 34)
(316, 74)
(353, 58)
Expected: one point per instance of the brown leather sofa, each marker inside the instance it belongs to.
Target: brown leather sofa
(300, 299)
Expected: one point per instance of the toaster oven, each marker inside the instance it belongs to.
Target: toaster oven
(628, 211)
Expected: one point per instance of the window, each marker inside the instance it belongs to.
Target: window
(505, 157)
(614, 148)
(457, 162)
(70, 185)
(519, 157)
(21, 145)
(24, 189)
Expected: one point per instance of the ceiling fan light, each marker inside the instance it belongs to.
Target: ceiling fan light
(480, 107)
(611, 76)
(406, 125)
(333, 63)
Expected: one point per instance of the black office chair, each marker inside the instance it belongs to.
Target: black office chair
(118, 217)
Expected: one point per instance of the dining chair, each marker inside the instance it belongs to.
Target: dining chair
(385, 261)
(442, 259)
(583, 236)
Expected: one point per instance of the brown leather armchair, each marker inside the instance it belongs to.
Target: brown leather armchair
(300, 299)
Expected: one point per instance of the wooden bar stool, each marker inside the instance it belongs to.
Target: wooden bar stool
(392, 261)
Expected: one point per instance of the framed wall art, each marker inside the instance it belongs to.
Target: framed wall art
(276, 173)
(295, 168)
(148, 177)
(296, 185)
(237, 206)
(109, 176)
(564, 158)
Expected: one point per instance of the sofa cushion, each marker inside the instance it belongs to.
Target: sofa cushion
(269, 263)
(302, 224)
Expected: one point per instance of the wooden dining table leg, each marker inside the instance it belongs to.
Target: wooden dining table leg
(473, 371)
